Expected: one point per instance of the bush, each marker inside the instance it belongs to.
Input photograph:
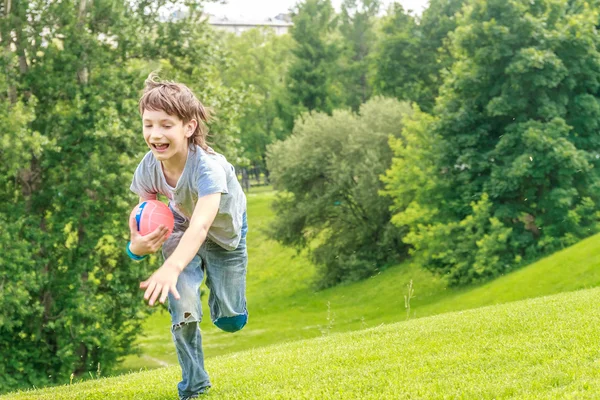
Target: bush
(471, 250)
(328, 172)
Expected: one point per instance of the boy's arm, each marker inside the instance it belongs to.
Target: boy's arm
(165, 278)
(204, 214)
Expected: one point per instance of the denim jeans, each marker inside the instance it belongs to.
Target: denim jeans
(226, 278)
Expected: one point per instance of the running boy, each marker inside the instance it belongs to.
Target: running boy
(209, 237)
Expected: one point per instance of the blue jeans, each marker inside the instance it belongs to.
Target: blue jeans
(226, 278)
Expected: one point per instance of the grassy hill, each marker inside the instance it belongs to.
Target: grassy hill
(285, 310)
(543, 348)
(283, 306)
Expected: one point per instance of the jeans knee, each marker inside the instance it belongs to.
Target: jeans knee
(189, 319)
(231, 324)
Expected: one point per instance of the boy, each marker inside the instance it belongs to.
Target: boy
(209, 236)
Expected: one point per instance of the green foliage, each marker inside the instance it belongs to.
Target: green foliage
(311, 81)
(516, 119)
(436, 25)
(471, 250)
(412, 56)
(72, 73)
(329, 172)
(198, 61)
(398, 67)
(358, 38)
(259, 61)
(409, 180)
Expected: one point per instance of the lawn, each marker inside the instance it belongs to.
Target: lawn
(542, 348)
(358, 340)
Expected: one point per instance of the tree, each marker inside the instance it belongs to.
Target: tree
(357, 26)
(258, 62)
(436, 26)
(413, 56)
(515, 125)
(398, 60)
(328, 173)
(310, 81)
(71, 77)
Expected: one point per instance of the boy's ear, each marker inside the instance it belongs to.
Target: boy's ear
(191, 128)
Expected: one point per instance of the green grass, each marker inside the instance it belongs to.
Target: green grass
(543, 348)
(284, 309)
(283, 306)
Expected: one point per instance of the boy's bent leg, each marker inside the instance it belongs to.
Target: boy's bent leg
(226, 279)
(186, 314)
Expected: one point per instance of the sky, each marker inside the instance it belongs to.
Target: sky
(262, 9)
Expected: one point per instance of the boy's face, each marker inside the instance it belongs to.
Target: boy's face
(165, 134)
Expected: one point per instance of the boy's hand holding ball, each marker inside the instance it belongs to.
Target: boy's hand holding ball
(150, 224)
(143, 245)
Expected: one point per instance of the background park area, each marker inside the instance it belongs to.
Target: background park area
(423, 198)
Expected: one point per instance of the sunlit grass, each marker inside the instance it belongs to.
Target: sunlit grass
(519, 349)
(543, 348)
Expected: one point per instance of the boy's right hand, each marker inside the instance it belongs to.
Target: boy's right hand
(148, 244)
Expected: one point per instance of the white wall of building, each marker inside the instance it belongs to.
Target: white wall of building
(237, 26)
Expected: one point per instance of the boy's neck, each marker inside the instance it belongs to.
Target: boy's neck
(174, 166)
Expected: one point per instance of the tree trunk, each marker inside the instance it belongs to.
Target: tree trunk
(82, 73)
(23, 66)
(5, 39)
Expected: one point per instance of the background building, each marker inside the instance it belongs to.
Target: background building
(280, 24)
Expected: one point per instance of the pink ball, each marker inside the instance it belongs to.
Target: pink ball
(150, 214)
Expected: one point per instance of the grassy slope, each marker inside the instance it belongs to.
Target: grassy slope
(543, 348)
(284, 307)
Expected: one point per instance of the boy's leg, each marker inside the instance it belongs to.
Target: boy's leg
(186, 314)
(226, 279)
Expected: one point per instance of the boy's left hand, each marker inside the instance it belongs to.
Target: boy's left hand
(161, 282)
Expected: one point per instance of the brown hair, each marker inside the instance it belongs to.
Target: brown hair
(178, 100)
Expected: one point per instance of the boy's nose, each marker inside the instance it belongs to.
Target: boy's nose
(156, 134)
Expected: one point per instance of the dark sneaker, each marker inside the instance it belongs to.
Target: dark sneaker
(195, 396)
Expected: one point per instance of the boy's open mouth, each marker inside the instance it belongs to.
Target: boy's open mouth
(160, 146)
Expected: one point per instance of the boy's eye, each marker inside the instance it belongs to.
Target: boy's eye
(147, 126)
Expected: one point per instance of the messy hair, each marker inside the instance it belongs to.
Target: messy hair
(178, 100)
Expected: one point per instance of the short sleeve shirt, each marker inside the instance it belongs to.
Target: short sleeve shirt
(204, 174)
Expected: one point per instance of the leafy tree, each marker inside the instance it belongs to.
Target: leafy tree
(413, 55)
(258, 62)
(398, 60)
(71, 74)
(357, 26)
(328, 172)
(516, 121)
(191, 52)
(311, 82)
(436, 26)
